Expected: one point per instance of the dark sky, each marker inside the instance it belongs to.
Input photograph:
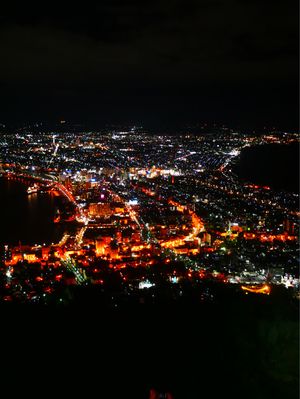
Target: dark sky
(152, 62)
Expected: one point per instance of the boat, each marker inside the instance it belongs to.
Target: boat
(57, 216)
(33, 189)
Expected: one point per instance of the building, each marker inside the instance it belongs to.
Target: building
(100, 209)
(289, 227)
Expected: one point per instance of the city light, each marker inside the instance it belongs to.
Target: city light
(120, 207)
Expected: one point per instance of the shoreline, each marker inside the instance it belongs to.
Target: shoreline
(244, 175)
(14, 243)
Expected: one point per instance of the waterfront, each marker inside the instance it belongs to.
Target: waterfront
(27, 218)
(274, 165)
(161, 227)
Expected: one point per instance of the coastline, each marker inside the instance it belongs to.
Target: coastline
(256, 164)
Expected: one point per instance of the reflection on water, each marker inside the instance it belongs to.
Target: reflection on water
(27, 218)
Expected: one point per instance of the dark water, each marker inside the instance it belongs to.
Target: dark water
(274, 165)
(27, 218)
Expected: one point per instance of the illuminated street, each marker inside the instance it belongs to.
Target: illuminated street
(149, 199)
(130, 204)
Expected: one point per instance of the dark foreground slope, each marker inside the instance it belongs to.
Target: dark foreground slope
(238, 347)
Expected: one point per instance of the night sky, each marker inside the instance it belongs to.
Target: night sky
(152, 62)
